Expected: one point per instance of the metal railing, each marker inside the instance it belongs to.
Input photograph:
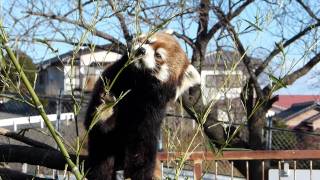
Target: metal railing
(282, 156)
(33, 119)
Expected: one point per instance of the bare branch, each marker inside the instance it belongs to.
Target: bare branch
(291, 78)
(243, 52)
(203, 17)
(77, 8)
(188, 40)
(121, 19)
(35, 156)
(6, 173)
(229, 17)
(277, 49)
(309, 11)
(83, 25)
(24, 139)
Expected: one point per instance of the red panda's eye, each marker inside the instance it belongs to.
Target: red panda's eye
(158, 55)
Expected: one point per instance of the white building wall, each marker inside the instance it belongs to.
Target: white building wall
(209, 93)
(81, 74)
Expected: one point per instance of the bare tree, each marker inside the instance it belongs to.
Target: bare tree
(290, 29)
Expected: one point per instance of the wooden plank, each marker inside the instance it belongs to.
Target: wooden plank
(244, 155)
(197, 170)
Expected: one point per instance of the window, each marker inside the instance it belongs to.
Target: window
(223, 81)
(42, 77)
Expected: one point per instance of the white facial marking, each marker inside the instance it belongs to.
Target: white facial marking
(169, 31)
(163, 74)
(152, 39)
(190, 78)
(148, 59)
(143, 35)
(162, 52)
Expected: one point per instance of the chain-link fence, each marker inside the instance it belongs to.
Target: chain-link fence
(287, 139)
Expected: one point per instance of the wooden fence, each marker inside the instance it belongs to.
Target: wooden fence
(281, 155)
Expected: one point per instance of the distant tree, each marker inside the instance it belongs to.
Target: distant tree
(12, 77)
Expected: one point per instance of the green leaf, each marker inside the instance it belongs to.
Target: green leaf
(277, 81)
(253, 25)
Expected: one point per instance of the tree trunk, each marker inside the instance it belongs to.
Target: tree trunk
(256, 125)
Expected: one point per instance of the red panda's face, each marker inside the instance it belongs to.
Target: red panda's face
(162, 55)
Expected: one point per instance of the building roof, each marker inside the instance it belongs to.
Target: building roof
(286, 101)
(66, 57)
(226, 59)
(297, 109)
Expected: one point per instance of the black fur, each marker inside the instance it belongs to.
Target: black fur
(128, 139)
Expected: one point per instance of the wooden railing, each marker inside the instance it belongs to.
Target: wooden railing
(199, 157)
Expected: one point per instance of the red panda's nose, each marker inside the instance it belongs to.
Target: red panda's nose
(141, 51)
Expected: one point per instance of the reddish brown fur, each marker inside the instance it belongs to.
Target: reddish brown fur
(126, 137)
(176, 59)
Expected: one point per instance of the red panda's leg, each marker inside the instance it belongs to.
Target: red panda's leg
(103, 170)
(101, 160)
(140, 161)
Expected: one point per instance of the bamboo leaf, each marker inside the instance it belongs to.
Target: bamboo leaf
(277, 81)
(253, 25)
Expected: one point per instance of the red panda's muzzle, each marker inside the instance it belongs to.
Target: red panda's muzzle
(140, 51)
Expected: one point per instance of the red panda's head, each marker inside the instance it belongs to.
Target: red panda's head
(162, 55)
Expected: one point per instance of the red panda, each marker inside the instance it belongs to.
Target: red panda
(125, 136)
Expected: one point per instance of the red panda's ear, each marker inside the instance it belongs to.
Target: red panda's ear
(191, 77)
(169, 31)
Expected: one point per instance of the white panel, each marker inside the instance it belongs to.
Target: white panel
(209, 94)
(301, 174)
(102, 56)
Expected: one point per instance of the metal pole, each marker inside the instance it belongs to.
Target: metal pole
(160, 148)
(58, 111)
(270, 133)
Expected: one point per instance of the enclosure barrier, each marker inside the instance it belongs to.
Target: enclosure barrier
(261, 155)
(34, 119)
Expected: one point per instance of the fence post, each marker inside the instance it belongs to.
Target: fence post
(197, 169)
(158, 170)
(58, 111)
(55, 173)
(269, 133)
(24, 167)
(15, 128)
(41, 123)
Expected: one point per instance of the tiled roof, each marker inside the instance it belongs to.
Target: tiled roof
(296, 109)
(286, 101)
(65, 58)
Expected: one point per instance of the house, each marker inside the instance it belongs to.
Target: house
(73, 71)
(305, 115)
(222, 76)
(286, 101)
